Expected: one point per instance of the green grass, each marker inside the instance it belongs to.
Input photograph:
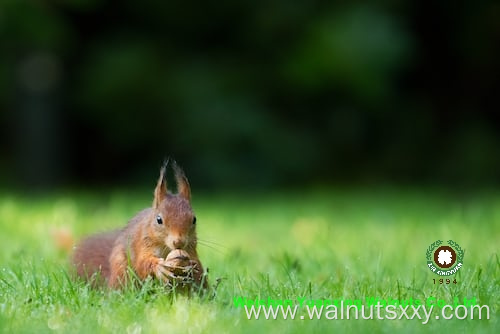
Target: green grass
(338, 244)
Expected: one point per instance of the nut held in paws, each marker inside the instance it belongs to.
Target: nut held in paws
(178, 259)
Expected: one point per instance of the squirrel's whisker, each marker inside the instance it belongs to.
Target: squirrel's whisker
(220, 251)
(212, 242)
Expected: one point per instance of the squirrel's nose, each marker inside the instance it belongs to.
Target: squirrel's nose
(178, 243)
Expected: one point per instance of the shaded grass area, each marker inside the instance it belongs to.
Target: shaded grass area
(319, 244)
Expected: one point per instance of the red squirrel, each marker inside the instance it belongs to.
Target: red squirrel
(168, 227)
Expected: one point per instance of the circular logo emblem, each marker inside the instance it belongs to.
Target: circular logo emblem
(444, 260)
(445, 257)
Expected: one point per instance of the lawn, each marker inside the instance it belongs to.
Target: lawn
(321, 244)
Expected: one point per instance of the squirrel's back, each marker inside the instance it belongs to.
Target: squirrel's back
(92, 255)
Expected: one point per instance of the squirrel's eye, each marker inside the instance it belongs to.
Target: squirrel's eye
(194, 220)
(159, 220)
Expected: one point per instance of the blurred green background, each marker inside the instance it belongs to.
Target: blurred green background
(249, 94)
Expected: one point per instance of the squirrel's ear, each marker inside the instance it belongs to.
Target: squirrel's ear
(182, 182)
(161, 187)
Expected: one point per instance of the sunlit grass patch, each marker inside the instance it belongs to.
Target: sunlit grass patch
(350, 244)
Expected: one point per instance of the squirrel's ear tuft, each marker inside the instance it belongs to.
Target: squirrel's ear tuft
(161, 187)
(183, 187)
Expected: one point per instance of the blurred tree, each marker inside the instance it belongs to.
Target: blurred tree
(249, 93)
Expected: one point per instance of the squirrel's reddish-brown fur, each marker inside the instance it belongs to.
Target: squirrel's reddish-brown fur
(146, 241)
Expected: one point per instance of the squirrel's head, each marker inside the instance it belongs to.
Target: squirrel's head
(173, 223)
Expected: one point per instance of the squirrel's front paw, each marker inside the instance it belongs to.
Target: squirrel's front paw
(163, 271)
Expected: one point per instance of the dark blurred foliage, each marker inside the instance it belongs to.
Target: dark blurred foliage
(249, 93)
